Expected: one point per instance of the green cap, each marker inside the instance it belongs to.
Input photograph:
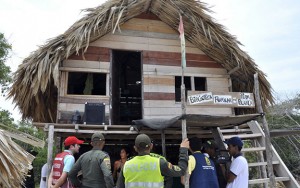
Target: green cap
(210, 144)
(97, 136)
(142, 141)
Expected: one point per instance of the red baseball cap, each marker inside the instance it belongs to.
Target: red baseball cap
(70, 140)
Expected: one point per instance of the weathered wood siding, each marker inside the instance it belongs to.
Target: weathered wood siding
(160, 47)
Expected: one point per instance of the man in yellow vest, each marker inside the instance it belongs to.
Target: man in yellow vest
(145, 171)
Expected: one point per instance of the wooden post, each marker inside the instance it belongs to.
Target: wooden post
(163, 143)
(110, 88)
(263, 170)
(50, 150)
(266, 131)
(183, 105)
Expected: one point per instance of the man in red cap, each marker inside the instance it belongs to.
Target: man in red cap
(63, 163)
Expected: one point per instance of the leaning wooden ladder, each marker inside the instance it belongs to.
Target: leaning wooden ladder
(252, 132)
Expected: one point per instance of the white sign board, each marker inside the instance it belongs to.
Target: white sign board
(200, 98)
(231, 99)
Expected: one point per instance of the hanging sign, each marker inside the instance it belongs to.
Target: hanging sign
(231, 99)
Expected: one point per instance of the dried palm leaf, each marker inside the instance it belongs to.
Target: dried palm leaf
(15, 162)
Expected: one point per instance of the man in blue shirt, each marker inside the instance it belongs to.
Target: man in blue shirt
(201, 168)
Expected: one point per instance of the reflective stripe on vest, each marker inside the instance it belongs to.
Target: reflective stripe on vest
(143, 171)
(144, 184)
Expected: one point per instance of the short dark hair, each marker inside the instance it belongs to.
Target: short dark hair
(126, 149)
(195, 144)
(68, 147)
(141, 149)
(239, 147)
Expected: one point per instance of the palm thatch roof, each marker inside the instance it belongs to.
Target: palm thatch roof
(35, 82)
(15, 162)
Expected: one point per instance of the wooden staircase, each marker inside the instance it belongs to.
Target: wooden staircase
(254, 139)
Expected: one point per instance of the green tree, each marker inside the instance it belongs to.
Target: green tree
(6, 119)
(285, 115)
(5, 71)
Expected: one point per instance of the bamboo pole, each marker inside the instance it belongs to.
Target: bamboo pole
(50, 151)
(183, 104)
(269, 153)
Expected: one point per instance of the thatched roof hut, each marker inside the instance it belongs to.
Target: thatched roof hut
(35, 82)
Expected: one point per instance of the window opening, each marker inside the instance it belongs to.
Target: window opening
(82, 83)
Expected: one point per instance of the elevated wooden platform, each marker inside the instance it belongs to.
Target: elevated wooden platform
(116, 133)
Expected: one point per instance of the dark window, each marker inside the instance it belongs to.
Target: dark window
(200, 83)
(80, 83)
(187, 83)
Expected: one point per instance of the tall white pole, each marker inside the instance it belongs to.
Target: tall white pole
(183, 97)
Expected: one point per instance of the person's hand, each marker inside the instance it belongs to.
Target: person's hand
(185, 143)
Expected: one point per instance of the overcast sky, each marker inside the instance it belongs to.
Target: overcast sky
(269, 31)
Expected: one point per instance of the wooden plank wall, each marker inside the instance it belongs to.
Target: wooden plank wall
(160, 47)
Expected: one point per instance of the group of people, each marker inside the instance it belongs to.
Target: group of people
(205, 170)
(93, 168)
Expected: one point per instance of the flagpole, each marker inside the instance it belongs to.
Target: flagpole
(183, 97)
(183, 65)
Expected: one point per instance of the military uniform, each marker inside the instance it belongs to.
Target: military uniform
(95, 168)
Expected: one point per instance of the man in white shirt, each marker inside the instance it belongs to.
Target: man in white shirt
(238, 175)
(43, 176)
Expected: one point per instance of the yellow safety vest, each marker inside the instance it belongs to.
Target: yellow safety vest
(143, 172)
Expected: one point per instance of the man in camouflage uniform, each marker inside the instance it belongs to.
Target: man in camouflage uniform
(94, 166)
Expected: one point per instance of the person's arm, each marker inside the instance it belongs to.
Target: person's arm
(167, 169)
(236, 168)
(106, 170)
(190, 168)
(73, 173)
(182, 179)
(121, 180)
(223, 169)
(230, 177)
(116, 165)
(61, 180)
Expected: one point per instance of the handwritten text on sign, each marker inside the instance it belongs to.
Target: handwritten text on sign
(233, 99)
(200, 98)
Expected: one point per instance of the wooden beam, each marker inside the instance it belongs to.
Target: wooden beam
(265, 180)
(261, 164)
(71, 69)
(253, 149)
(269, 153)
